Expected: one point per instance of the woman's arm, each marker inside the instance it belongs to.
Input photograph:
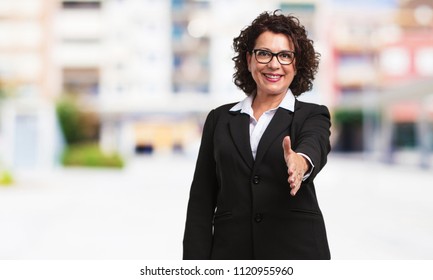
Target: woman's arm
(312, 138)
(197, 242)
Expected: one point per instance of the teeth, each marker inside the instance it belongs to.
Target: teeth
(272, 76)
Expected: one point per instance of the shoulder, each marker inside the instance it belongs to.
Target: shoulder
(225, 108)
(219, 113)
(222, 110)
(311, 107)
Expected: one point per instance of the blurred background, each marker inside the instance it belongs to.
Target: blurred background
(102, 103)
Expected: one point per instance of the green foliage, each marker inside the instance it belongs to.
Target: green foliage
(348, 116)
(70, 120)
(89, 155)
(6, 178)
(77, 125)
(80, 130)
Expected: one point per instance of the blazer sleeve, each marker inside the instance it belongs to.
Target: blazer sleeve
(197, 242)
(313, 137)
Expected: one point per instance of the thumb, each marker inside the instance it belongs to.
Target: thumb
(287, 146)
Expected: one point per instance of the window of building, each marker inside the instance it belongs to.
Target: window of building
(354, 70)
(81, 4)
(83, 81)
(424, 61)
(190, 46)
(395, 61)
(404, 135)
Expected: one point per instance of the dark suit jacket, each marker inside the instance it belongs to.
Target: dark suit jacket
(241, 208)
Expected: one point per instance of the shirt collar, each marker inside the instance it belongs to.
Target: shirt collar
(287, 103)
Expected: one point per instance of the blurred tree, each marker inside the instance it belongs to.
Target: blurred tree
(81, 131)
(69, 117)
(77, 125)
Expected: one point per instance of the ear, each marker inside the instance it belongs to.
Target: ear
(248, 56)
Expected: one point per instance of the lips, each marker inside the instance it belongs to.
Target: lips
(272, 77)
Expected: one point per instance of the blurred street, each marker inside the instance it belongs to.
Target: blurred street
(372, 211)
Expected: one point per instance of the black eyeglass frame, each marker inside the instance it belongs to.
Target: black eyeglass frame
(272, 56)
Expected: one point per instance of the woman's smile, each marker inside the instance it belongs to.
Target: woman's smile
(273, 77)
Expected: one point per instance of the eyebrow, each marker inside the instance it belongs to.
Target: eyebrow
(267, 49)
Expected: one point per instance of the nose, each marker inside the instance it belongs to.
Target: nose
(274, 63)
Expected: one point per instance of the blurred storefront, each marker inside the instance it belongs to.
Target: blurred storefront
(383, 77)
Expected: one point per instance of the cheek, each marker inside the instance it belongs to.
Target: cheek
(255, 72)
(256, 67)
(291, 70)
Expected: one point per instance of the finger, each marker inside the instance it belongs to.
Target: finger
(287, 146)
(292, 177)
(295, 184)
(295, 188)
(294, 191)
(292, 170)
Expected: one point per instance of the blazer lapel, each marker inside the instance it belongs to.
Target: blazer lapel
(239, 127)
(279, 123)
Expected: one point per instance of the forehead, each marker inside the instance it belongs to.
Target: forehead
(272, 41)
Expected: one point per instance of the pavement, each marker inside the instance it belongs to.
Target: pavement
(372, 211)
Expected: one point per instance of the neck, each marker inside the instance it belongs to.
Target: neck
(263, 103)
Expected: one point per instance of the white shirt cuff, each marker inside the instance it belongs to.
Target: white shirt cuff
(311, 164)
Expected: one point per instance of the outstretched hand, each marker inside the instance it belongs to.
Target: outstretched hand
(297, 166)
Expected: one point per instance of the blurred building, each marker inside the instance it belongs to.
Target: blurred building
(382, 76)
(28, 132)
(170, 63)
(406, 64)
(356, 31)
(150, 70)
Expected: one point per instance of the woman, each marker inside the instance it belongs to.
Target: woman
(252, 195)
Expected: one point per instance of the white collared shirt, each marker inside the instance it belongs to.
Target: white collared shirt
(258, 127)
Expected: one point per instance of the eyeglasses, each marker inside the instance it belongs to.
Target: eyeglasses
(264, 56)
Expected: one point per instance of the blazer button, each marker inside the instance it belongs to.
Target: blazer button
(258, 218)
(256, 180)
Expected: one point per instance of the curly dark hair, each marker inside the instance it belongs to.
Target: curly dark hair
(306, 58)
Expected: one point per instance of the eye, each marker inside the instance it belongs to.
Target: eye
(286, 55)
(263, 53)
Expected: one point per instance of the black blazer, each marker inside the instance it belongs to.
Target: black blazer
(241, 208)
